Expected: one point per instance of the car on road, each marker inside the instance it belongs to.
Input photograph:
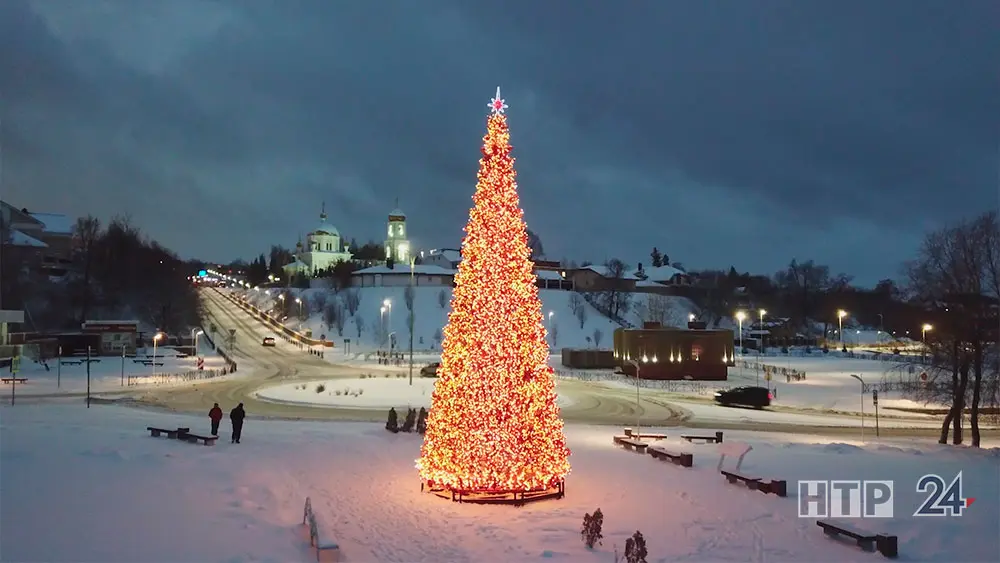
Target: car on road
(757, 397)
(430, 370)
(268, 341)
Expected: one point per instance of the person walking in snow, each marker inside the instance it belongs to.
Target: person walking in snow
(236, 416)
(215, 415)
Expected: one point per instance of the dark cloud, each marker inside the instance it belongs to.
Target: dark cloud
(745, 134)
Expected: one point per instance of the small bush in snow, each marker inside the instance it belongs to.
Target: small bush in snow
(392, 424)
(337, 392)
(591, 531)
(422, 421)
(635, 548)
(410, 421)
(320, 388)
(388, 374)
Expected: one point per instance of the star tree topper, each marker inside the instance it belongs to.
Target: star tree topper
(497, 104)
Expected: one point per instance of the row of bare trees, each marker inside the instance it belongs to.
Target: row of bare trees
(956, 278)
(116, 272)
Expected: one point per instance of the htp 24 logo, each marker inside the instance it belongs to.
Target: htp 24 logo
(874, 499)
(942, 500)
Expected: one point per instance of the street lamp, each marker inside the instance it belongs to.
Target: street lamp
(840, 325)
(690, 317)
(381, 323)
(299, 301)
(638, 411)
(549, 327)
(156, 338)
(760, 347)
(862, 382)
(923, 340)
(412, 315)
(740, 315)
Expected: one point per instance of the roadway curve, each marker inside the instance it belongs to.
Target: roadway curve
(590, 402)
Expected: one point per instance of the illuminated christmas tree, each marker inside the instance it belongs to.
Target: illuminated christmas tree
(494, 424)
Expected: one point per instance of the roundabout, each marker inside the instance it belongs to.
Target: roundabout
(265, 393)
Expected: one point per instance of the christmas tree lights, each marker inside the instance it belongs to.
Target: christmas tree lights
(494, 424)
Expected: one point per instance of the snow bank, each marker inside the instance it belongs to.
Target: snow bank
(376, 392)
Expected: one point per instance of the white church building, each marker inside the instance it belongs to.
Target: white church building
(322, 249)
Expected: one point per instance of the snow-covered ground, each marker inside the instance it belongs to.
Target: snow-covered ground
(828, 384)
(431, 316)
(107, 373)
(92, 485)
(382, 392)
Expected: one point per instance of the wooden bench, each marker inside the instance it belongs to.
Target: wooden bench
(717, 439)
(733, 477)
(887, 545)
(315, 540)
(682, 459)
(631, 444)
(155, 432)
(194, 438)
(14, 379)
(630, 434)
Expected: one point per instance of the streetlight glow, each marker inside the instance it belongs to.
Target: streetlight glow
(840, 325)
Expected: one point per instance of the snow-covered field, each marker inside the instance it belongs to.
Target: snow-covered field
(92, 485)
(828, 384)
(382, 392)
(108, 372)
(430, 317)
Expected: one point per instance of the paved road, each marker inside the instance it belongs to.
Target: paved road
(589, 402)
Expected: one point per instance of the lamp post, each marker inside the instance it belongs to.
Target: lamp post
(923, 340)
(156, 338)
(840, 326)
(387, 305)
(548, 328)
(690, 317)
(299, 301)
(740, 315)
(760, 347)
(638, 410)
(412, 316)
(381, 325)
(862, 382)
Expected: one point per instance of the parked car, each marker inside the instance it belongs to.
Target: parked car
(430, 370)
(268, 341)
(757, 397)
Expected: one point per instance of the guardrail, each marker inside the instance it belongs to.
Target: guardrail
(277, 326)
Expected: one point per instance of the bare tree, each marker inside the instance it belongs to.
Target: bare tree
(581, 315)
(615, 301)
(86, 235)
(554, 334)
(408, 297)
(598, 335)
(438, 336)
(333, 315)
(359, 324)
(575, 301)
(442, 299)
(535, 245)
(352, 300)
(657, 309)
(318, 302)
(955, 278)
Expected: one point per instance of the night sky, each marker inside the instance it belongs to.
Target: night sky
(724, 133)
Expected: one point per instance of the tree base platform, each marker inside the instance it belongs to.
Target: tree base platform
(517, 498)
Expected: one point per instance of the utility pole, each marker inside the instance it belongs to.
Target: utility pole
(88, 377)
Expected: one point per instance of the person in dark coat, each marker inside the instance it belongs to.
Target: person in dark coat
(215, 415)
(236, 416)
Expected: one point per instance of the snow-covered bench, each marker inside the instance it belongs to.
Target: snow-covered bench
(315, 540)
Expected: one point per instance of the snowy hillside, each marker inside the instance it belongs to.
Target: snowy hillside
(431, 306)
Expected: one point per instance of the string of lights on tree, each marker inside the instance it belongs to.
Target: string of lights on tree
(494, 423)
